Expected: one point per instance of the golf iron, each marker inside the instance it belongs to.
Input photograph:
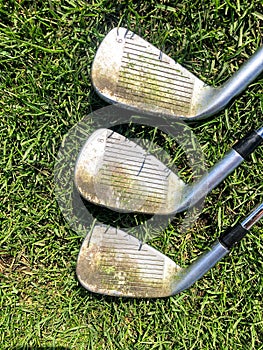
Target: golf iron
(115, 172)
(111, 262)
(131, 72)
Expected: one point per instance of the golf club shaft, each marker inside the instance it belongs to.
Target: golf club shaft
(218, 250)
(231, 237)
(237, 83)
(245, 74)
(222, 169)
(253, 218)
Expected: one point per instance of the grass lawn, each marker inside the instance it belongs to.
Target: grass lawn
(46, 51)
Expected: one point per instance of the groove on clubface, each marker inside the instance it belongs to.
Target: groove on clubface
(146, 77)
(115, 263)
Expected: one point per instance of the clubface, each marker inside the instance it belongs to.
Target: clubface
(117, 173)
(132, 72)
(112, 262)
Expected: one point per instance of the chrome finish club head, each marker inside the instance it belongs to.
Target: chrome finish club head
(112, 262)
(115, 172)
(129, 71)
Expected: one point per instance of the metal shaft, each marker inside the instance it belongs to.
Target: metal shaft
(236, 84)
(254, 217)
(207, 260)
(214, 176)
(199, 267)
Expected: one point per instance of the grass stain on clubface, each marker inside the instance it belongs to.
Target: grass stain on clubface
(114, 263)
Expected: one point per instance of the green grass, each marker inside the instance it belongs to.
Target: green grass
(46, 51)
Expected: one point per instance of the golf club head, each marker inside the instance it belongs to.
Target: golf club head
(112, 262)
(117, 173)
(129, 71)
(132, 72)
